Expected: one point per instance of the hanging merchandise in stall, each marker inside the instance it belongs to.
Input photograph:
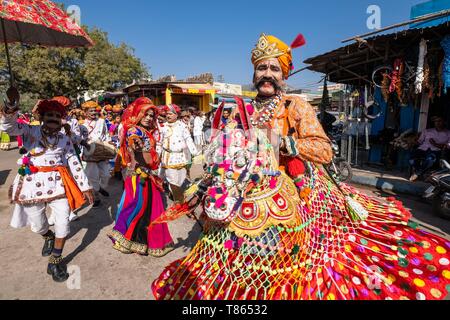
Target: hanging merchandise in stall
(445, 43)
(420, 66)
(403, 81)
(362, 110)
(407, 74)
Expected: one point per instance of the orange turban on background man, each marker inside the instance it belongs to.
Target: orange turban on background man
(90, 105)
(63, 100)
(272, 47)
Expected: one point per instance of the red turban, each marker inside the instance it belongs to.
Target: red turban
(142, 100)
(173, 108)
(50, 105)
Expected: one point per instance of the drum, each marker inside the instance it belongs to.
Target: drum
(99, 151)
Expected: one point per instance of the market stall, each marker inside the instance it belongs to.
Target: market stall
(185, 94)
(395, 84)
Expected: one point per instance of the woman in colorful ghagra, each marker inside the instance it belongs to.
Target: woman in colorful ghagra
(143, 200)
(280, 228)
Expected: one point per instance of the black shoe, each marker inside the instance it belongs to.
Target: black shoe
(96, 204)
(103, 193)
(48, 245)
(57, 270)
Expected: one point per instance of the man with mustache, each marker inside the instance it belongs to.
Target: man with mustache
(98, 173)
(292, 118)
(284, 229)
(71, 128)
(50, 174)
(177, 149)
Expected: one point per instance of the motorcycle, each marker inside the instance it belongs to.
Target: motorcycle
(439, 192)
(339, 167)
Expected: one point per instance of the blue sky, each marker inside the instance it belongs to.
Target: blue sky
(196, 36)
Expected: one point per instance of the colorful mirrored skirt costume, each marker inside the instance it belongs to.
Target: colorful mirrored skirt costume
(294, 238)
(142, 202)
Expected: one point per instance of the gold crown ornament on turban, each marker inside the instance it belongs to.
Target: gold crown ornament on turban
(272, 47)
(90, 105)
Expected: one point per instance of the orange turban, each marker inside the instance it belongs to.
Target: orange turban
(117, 108)
(106, 109)
(63, 100)
(272, 47)
(90, 105)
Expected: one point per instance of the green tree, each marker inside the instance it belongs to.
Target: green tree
(48, 72)
(109, 67)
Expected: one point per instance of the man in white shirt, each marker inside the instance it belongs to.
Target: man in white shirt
(50, 175)
(432, 143)
(98, 172)
(199, 138)
(175, 141)
(72, 129)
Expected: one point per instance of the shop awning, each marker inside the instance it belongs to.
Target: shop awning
(193, 88)
(354, 63)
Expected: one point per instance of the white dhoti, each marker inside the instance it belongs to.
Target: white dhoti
(199, 142)
(174, 176)
(35, 216)
(98, 174)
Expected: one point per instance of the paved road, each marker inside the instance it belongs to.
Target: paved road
(104, 272)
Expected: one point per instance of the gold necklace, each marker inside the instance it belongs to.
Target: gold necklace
(266, 111)
(46, 143)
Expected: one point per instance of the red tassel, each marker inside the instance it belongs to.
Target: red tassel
(218, 117)
(295, 167)
(298, 42)
(242, 113)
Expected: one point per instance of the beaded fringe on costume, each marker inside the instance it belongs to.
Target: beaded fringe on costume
(322, 255)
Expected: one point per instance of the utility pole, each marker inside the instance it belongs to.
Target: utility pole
(325, 101)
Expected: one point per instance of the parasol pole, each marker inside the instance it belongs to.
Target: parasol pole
(11, 77)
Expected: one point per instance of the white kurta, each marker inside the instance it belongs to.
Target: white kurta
(32, 192)
(75, 130)
(176, 141)
(177, 148)
(198, 131)
(96, 130)
(98, 173)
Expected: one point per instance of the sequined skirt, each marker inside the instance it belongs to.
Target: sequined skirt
(323, 254)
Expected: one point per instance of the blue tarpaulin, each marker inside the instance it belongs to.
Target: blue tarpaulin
(428, 7)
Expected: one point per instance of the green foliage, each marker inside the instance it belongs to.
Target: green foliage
(48, 72)
(111, 67)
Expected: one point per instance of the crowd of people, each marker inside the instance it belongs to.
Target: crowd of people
(70, 153)
(275, 224)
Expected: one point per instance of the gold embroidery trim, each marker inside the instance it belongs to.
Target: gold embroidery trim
(262, 204)
(132, 246)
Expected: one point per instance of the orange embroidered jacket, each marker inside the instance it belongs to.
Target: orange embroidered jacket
(300, 124)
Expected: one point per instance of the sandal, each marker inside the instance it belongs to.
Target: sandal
(119, 248)
(159, 253)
